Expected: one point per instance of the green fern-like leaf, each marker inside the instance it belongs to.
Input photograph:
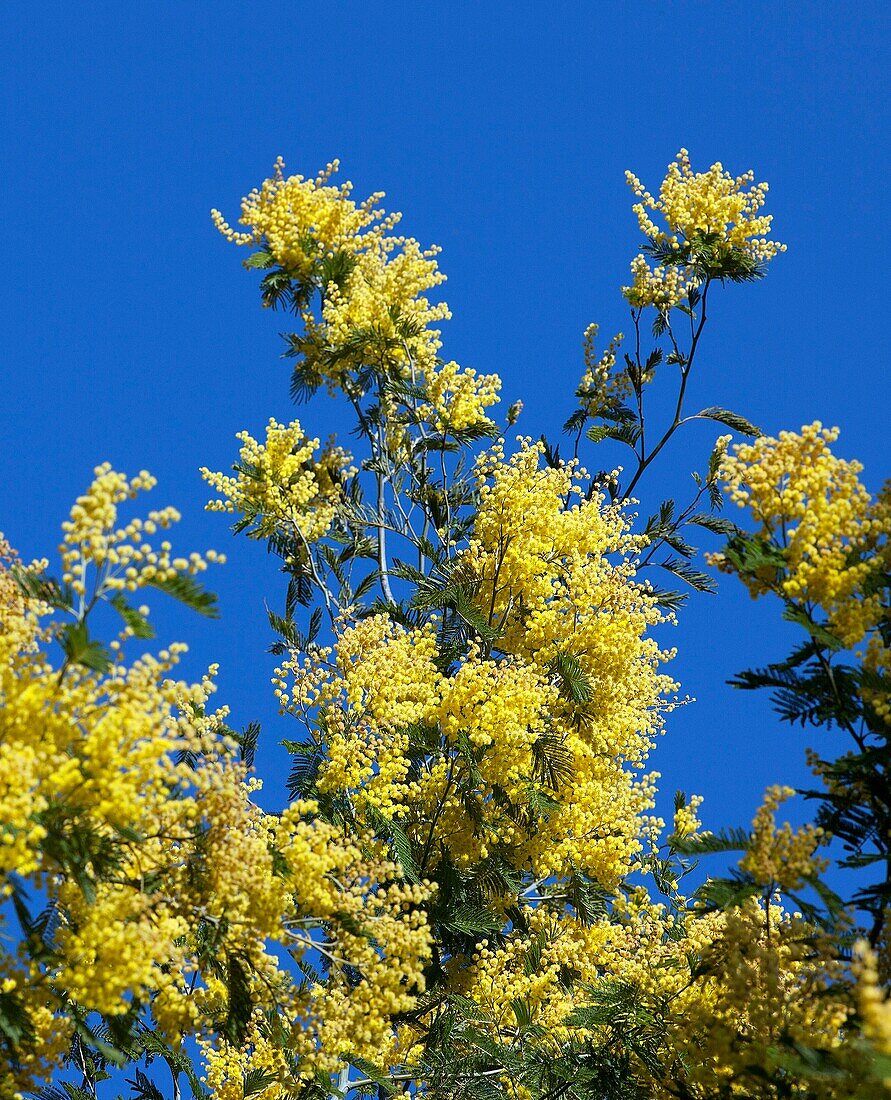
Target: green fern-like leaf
(190, 593)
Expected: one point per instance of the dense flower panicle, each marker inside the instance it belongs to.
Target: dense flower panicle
(389, 672)
(714, 202)
(376, 310)
(872, 1000)
(381, 935)
(124, 557)
(130, 766)
(782, 857)
(722, 987)
(19, 615)
(386, 682)
(686, 822)
(814, 507)
(556, 580)
(300, 219)
(493, 714)
(93, 755)
(764, 976)
(602, 386)
(556, 572)
(533, 967)
(493, 727)
(729, 985)
(457, 399)
(659, 286)
(710, 217)
(531, 521)
(282, 483)
(381, 314)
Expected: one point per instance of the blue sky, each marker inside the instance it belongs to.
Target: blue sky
(503, 131)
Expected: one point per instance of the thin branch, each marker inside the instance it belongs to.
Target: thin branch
(682, 392)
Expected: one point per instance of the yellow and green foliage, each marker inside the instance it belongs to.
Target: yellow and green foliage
(469, 895)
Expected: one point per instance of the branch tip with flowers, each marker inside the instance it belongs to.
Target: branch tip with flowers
(470, 895)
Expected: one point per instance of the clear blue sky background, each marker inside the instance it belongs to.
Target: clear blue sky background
(131, 332)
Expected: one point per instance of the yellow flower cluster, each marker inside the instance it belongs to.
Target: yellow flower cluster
(709, 216)
(700, 203)
(19, 616)
(741, 982)
(280, 484)
(659, 286)
(723, 987)
(126, 560)
(536, 967)
(374, 939)
(782, 857)
(376, 312)
(385, 682)
(20, 831)
(389, 673)
(380, 316)
(93, 756)
(872, 1001)
(512, 729)
(815, 508)
(556, 580)
(601, 385)
(300, 220)
(123, 803)
(496, 711)
(686, 821)
(457, 398)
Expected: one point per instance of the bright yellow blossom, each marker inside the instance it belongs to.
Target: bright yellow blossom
(602, 386)
(375, 312)
(815, 508)
(873, 1001)
(458, 398)
(713, 202)
(123, 804)
(301, 219)
(123, 555)
(712, 219)
(782, 857)
(281, 483)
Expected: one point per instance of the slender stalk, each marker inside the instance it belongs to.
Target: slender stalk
(638, 389)
(446, 501)
(382, 542)
(174, 1076)
(343, 1083)
(89, 1081)
(436, 815)
(331, 602)
(682, 392)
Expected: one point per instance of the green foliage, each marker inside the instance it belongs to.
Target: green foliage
(187, 591)
(16, 1028)
(731, 420)
(80, 649)
(709, 256)
(239, 1002)
(392, 548)
(133, 619)
(575, 684)
(818, 685)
